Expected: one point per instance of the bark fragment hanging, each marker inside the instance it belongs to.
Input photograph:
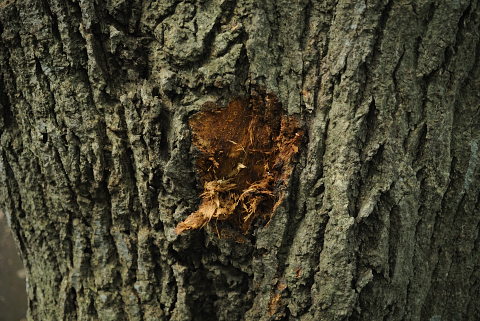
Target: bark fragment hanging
(246, 157)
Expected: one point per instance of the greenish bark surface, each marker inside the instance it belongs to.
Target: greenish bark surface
(381, 214)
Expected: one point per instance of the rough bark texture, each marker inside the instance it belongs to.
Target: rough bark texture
(380, 217)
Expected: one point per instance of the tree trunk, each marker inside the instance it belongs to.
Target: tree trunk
(372, 212)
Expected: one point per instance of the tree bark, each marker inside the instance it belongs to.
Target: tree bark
(378, 220)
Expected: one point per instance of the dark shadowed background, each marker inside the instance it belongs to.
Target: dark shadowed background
(13, 297)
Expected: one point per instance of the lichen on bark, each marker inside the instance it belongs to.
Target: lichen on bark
(100, 108)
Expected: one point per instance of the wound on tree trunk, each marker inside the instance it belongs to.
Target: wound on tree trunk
(246, 157)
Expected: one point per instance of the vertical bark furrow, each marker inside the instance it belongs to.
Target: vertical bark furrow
(350, 51)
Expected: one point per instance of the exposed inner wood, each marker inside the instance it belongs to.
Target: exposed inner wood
(246, 157)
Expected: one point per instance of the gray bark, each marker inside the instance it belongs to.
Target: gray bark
(380, 217)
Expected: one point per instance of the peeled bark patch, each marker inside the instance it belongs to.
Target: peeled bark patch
(246, 157)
